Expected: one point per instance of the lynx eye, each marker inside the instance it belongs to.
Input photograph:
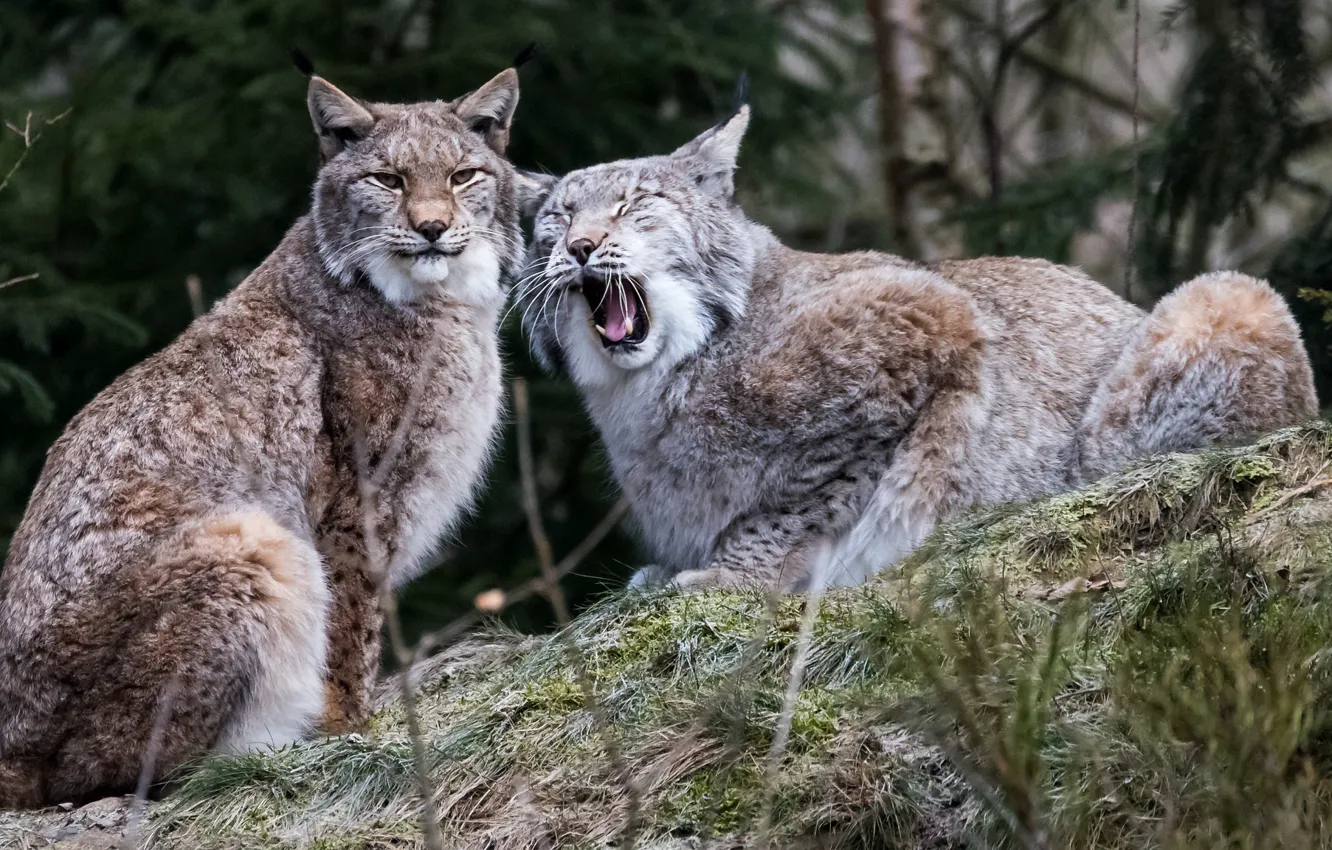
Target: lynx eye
(388, 180)
(622, 207)
(463, 176)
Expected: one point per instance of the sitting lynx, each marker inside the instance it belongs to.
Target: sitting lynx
(759, 404)
(196, 545)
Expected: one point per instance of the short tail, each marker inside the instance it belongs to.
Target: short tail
(1218, 360)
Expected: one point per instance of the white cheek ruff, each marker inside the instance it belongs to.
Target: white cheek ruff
(471, 277)
(393, 278)
(476, 274)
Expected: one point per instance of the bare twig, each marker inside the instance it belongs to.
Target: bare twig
(1051, 67)
(892, 144)
(369, 492)
(822, 568)
(1130, 261)
(1315, 483)
(148, 766)
(194, 289)
(20, 279)
(1009, 47)
(29, 139)
(496, 600)
(553, 592)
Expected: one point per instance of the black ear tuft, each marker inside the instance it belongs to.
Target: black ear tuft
(527, 54)
(303, 63)
(741, 92)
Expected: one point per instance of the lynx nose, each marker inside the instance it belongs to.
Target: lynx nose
(431, 230)
(581, 249)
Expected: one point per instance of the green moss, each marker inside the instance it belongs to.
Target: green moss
(715, 801)
(557, 694)
(815, 719)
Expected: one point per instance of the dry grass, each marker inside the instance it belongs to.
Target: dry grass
(974, 696)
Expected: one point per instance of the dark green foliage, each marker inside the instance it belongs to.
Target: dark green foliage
(1236, 126)
(1303, 273)
(1040, 217)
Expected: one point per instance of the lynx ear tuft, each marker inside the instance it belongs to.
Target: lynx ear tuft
(741, 91)
(489, 110)
(339, 118)
(527, 54)
(302, 62)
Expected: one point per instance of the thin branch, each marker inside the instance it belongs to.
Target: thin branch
(20, 279)
(1130, 261)
(148, 765)
(1037, 60)
(27, 148)
(369, 492)
(821, 562)
(554, 593)
(892, 144)
(490, 603)
(1009, 46)
(1315, 483)
(29, 139)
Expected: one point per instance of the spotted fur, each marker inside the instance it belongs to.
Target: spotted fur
(196, 545)
(786, 404)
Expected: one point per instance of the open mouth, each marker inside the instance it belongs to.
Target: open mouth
(619, 312)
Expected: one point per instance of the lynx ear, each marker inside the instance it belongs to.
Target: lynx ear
(489, 109)
(339, 118)
(712, 155)
(532, 189)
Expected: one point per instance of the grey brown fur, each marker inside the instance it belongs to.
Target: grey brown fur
(782, 404)
(196, 543)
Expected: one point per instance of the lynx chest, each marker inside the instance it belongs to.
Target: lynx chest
(411, 420)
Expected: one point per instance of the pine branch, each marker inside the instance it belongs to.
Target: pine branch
(1039, 61)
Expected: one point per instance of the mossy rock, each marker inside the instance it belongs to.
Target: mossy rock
(1143, 662)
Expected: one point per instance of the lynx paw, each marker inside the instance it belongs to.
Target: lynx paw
(714, 578)
(654, 577)
(646, 578)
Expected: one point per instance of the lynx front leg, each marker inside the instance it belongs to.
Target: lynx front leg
(353, 645)
(780, 549)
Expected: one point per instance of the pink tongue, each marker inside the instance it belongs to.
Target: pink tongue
(616, 318)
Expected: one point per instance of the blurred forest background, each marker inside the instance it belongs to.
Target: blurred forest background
(150, 141)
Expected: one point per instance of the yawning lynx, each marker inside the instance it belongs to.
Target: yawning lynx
(198, 544)
(759, 403)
